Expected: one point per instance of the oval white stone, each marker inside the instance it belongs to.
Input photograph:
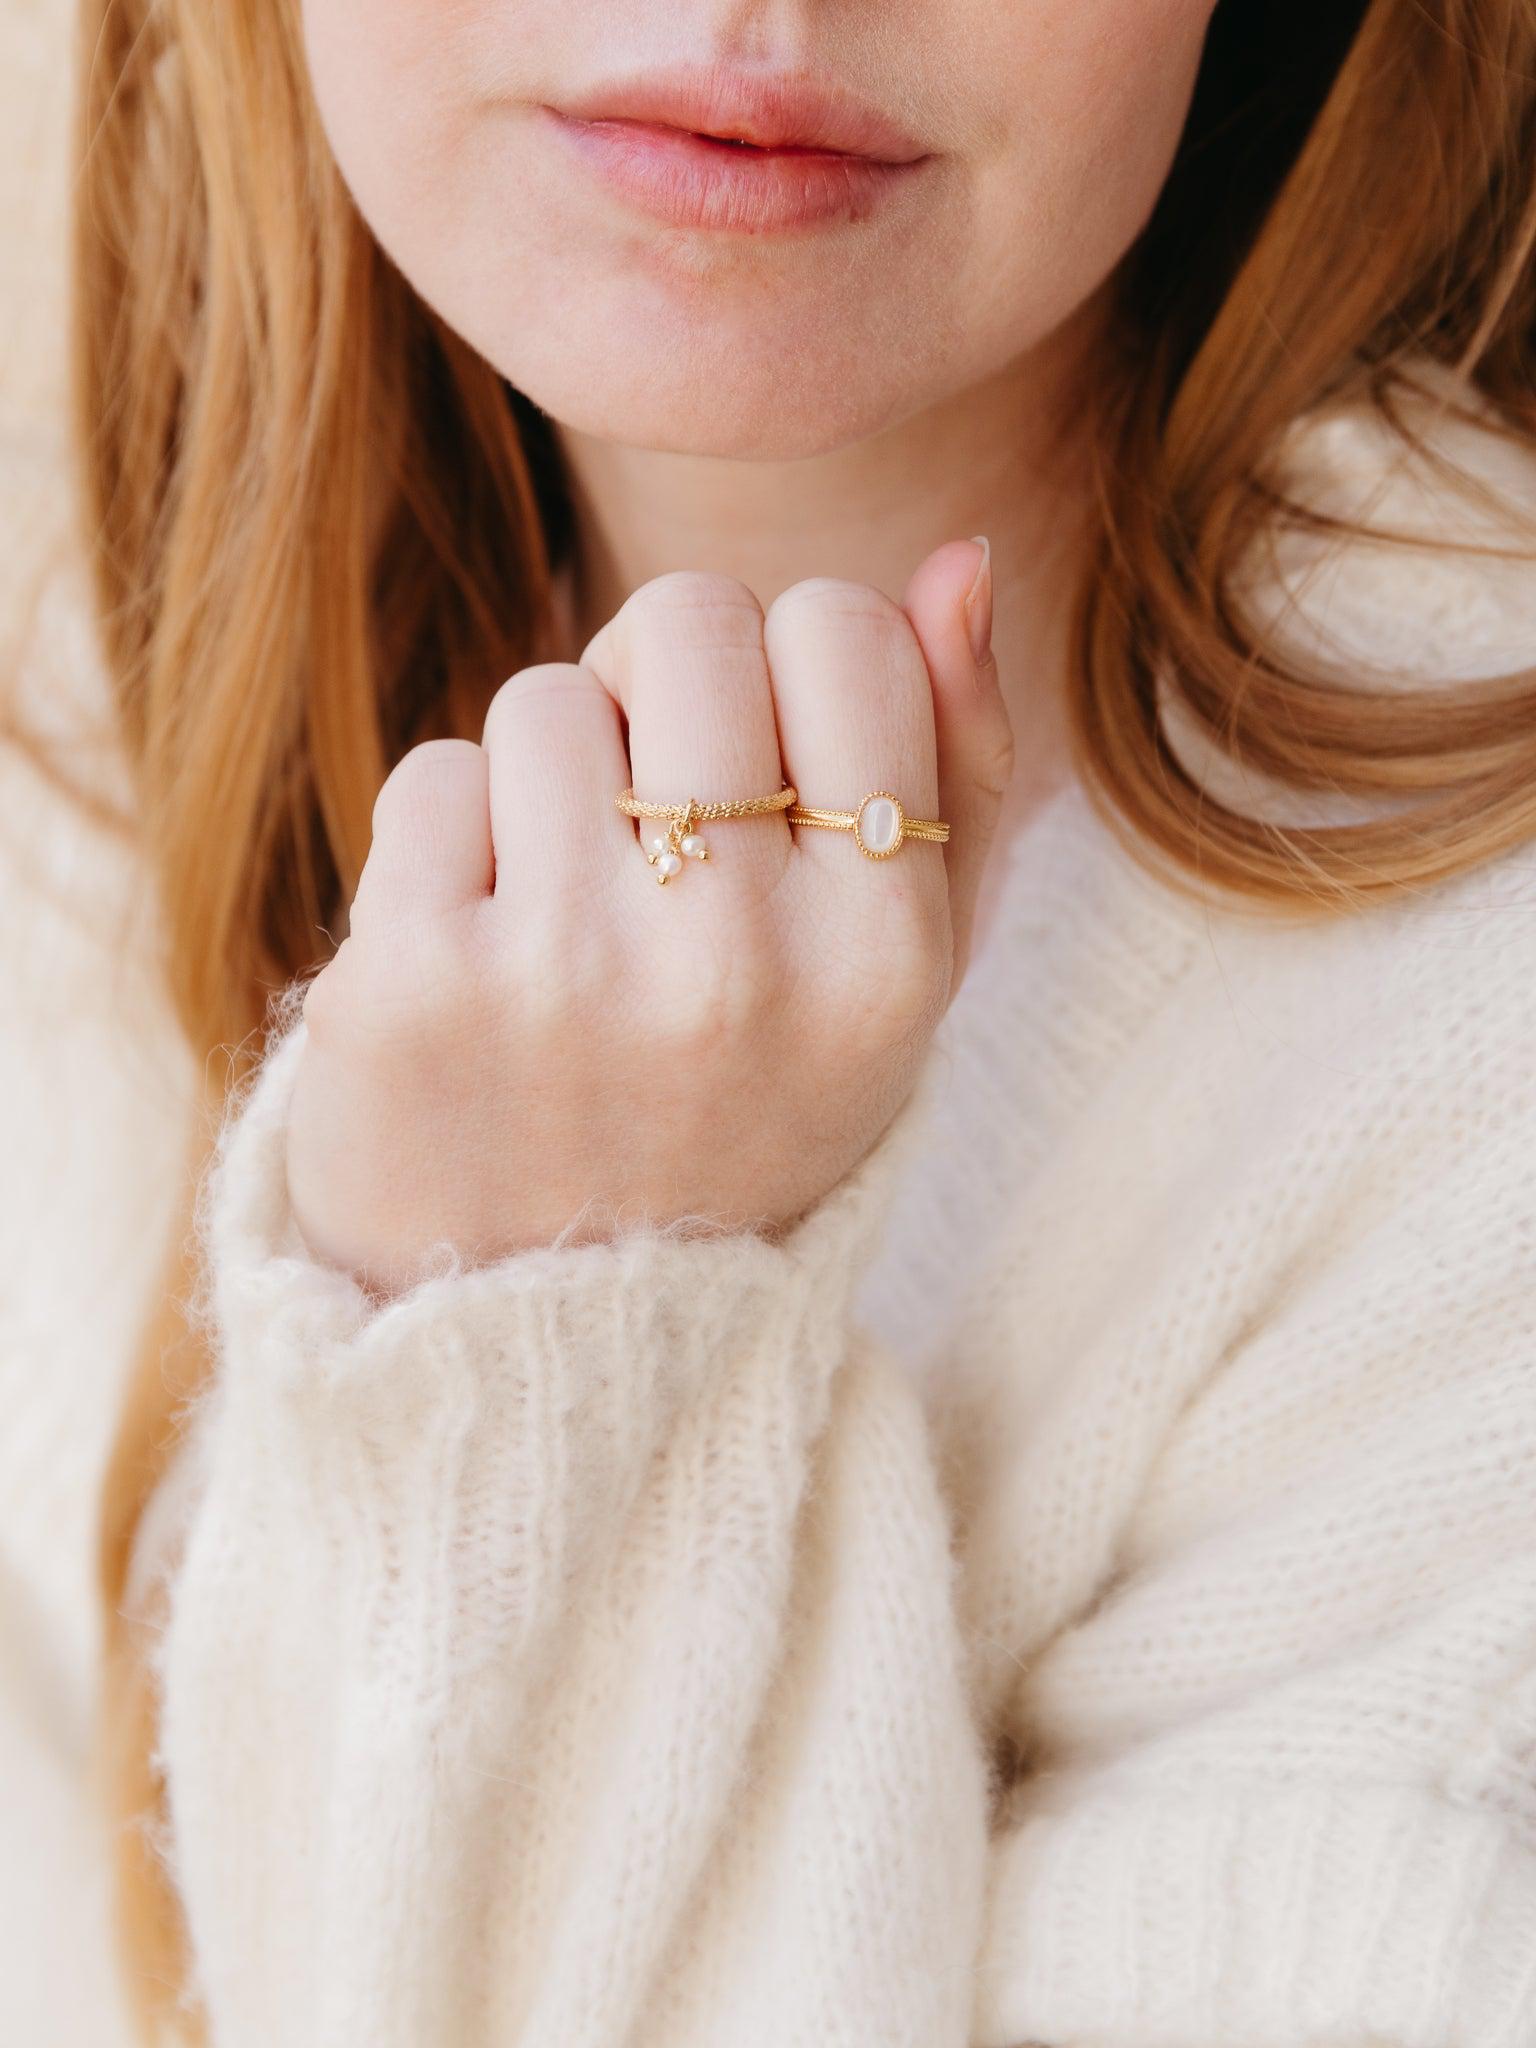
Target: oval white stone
(879, 824)
(692, 843)
(659, 843)
(669, 863)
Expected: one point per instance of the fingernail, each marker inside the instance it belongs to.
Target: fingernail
(978, 601)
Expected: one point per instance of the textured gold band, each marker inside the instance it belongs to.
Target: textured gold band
(844, 821)
(680, 842)
(701, 814)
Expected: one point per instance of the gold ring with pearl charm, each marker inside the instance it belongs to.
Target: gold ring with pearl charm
(668, 850)
(880, 826)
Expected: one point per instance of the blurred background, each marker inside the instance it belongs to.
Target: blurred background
(35, 46)
(58, 1374)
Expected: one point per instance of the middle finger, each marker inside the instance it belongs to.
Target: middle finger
(684, 655)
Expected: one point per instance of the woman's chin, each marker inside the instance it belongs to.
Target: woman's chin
(662, 405)
(693, 348)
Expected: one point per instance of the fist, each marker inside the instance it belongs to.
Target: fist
(523, 1038)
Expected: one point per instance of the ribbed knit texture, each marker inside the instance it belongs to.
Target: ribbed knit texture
(529, 1570)
(1079, 1588)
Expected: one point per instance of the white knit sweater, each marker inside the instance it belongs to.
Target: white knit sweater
(1080, 1589)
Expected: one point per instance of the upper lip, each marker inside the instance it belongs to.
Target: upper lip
(774, 110)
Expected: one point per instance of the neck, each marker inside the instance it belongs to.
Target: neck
(1001, 457)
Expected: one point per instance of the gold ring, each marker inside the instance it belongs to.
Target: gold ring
(880, 826)
(668, 851)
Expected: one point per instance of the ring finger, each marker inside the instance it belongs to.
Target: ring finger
(855, 710)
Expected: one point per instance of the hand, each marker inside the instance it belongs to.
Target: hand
(523, 1037)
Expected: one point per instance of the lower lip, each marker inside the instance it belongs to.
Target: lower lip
(697, 182)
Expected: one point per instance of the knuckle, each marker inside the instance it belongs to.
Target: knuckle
(543, 685)
(840, 597)
(703, 607)
(416, 778)
(326, 995)
(928, 997)
(718, 998)
(692, 590)
(402, 989)
(867, 636)
(549, 962)
(873, 973)
(913, 946)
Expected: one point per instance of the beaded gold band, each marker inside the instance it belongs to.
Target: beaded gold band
(880, 826)
(667, 852)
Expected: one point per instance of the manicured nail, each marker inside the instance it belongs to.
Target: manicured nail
(978, 601)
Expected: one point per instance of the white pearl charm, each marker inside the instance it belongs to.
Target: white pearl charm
(667, 864)
(659, 843)
(694, 846)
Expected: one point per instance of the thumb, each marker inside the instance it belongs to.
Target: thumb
(949, 602)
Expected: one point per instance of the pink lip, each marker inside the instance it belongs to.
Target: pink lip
(665, 142)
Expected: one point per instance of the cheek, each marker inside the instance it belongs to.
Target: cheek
(426, 109)
(390, 84)
(1103, 88)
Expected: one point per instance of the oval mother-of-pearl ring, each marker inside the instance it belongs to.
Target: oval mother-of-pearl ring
(880, 826)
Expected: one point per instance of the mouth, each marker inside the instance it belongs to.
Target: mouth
(712, 147)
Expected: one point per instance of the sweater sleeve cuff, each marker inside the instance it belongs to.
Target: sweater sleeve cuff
(648, 1297)
(1277, 1918)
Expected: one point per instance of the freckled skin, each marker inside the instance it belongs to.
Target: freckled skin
(1054, 121)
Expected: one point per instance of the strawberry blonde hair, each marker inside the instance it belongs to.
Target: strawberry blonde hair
(321, 528)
